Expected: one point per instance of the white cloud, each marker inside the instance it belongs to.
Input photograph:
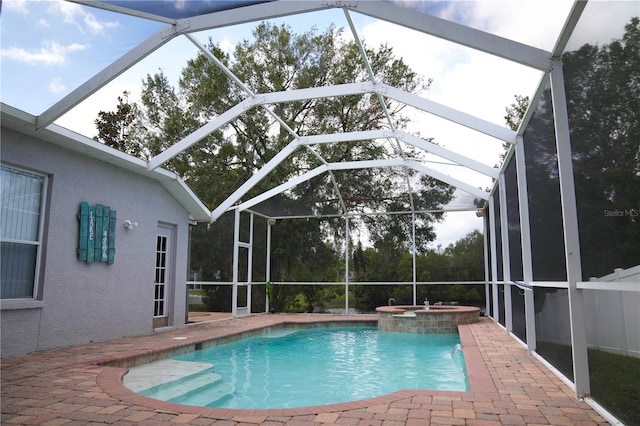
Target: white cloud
(226, 45)
(98, 27)
(74, 14)
(603, 21)
(456, 225)
(81, 119)
(51, 53)
(536, 23)
(470, 81)
(18, 6)
(56, 85)
(42, 23)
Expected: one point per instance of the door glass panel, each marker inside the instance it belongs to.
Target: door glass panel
(160, 282)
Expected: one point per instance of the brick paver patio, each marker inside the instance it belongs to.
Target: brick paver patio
(72, 386)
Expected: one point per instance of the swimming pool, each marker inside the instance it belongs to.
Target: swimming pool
(293, 367)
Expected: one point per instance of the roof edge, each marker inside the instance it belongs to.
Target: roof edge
(25, 123)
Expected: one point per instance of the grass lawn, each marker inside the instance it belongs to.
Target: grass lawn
(615, 379)
(615, 384)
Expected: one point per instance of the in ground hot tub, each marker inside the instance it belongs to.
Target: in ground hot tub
(417, 319)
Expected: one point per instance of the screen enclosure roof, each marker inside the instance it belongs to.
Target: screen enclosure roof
(453, 138)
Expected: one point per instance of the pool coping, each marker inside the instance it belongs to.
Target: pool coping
(110, 380)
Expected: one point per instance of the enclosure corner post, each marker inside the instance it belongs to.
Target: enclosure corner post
(571, 231)
(346, 268)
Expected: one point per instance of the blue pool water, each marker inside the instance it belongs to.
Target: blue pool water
(289, 368)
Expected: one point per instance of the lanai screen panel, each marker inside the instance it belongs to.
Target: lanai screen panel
(543, 189)
(457, 140)
(553, 331)
(513, 222)
(601, 71)
(59, 59)
(182, 9)
(518, 319)
(498, 231)
(515, 251)
(499, 260)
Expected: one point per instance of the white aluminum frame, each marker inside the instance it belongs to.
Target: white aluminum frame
(570, 229)
(538, 59)
(495, 311)
(35, 301)
(525, 242)
(506, 256)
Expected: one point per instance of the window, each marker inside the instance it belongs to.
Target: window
(21, 206)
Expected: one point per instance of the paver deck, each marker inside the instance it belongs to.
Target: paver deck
(72, 386)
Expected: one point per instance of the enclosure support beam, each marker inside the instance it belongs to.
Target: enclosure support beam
(525, 241)
(250, 264)
(253, 180)
(413, 258)
(346, 266)
(506, 260)
(405, 137)
(268, 265)
(346, 165)
(236, 249)
(487, 293)
(571, 236)
(494, 259)
(427, 105)
(108, 74)
(457, 33)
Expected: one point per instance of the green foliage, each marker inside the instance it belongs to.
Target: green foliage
(515, 114)
(604, 116)
(114, 127)
(615, 383)
(217, 298)
(466, 258)
(270, 294)
(462, 261)
(275, 59)
(516, 111)
(615, 379)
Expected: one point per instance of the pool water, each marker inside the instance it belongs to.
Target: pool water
(288, 368)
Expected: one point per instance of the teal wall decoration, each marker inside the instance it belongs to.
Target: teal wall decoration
(97, 233)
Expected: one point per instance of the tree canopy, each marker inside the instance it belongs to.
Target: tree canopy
(276, 59)
(603, 93)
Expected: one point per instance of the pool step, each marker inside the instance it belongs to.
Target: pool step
(276, 334)
(205, 395)
(157, 373)
(185, 385)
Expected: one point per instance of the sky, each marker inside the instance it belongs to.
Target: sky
(49, 47)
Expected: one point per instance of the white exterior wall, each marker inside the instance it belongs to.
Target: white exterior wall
(93, 302)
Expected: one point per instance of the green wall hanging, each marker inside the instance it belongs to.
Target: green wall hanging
(97, 233)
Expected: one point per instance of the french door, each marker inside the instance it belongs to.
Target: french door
(162, 286)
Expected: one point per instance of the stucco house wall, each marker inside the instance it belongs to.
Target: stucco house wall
(80, 302)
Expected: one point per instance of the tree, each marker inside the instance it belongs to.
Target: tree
(275, 59)
(603, 102)
(466, 263)
(467, 258)
(603, 94)
(515, 114)
(461, 261)
(114, 127)
(516, 111)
